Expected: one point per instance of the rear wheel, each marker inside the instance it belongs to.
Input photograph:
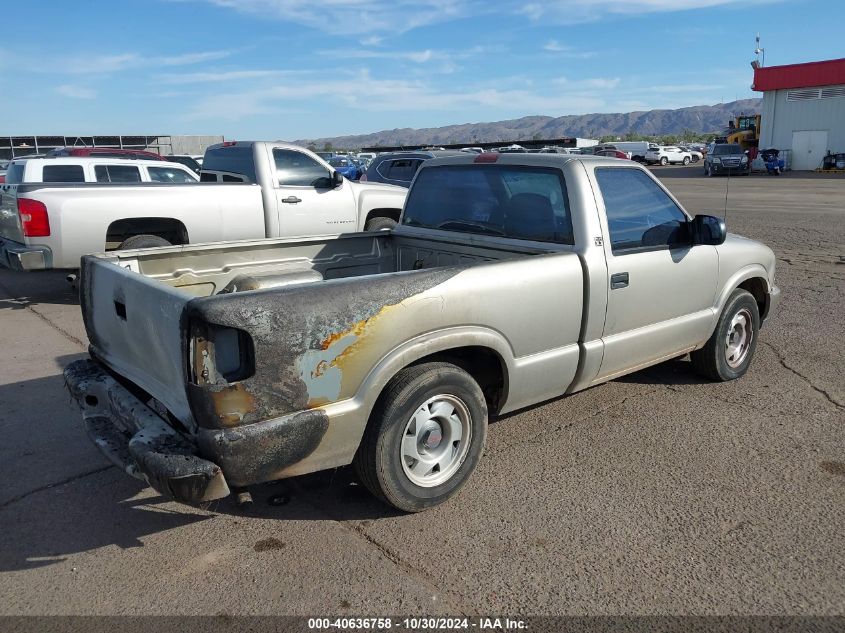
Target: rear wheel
(729, 350)
(664, 161)
(379, 224)
(143, 241)
(425, 437)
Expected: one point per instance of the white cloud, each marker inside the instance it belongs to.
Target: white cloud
(355, 17)
(99, 64)
(363, 92)
(389, 17)
(227, 76)
(76, 92)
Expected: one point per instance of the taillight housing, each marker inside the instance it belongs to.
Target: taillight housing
(34, 219)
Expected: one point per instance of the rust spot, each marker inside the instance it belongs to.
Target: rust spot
(232, 403)
(320, 369)
(356, 329)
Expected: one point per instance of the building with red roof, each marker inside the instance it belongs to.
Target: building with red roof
(803, 110)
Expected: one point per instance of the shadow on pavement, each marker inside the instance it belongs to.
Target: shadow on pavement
(19, 290)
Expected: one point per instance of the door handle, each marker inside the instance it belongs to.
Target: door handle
(618, 280)
(291, 200)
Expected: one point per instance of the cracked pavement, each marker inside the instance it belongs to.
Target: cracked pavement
(657, 493)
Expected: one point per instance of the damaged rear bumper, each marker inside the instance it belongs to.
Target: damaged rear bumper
(135, 438)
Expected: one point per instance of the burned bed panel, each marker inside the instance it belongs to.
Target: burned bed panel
(298, 337)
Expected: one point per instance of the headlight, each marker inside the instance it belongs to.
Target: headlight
(744, 159)
(717, 160)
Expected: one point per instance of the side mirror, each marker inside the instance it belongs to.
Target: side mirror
(708, 229)
(337, 179)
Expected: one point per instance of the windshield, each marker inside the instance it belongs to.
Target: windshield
(721, 150)
(520, 202)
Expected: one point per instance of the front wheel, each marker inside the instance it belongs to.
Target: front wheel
(728, 352)
(424, 438)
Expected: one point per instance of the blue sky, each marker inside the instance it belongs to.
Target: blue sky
(291, 69)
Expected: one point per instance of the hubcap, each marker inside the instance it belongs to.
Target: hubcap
(739, 337)
(436, 440)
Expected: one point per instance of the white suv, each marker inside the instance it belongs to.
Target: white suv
(668, 154)
(97, 169)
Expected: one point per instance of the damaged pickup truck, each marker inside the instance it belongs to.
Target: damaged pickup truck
(511, 279)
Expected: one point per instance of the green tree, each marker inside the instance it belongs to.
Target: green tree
(327, 147)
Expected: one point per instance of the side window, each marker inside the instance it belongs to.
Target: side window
(402, 169)
(117, 173)
(295, 169)
(169, 174)
(640, 215)
(63, 173)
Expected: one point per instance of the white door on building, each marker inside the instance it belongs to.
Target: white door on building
(808, 149)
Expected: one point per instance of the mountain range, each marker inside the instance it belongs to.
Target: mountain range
(700, 119)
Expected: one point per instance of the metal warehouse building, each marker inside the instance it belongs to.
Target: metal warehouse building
(803, 110)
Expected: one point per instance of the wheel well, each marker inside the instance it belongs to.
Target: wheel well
(168, 228)
(757, 287)
(484, 365)
(384, 213)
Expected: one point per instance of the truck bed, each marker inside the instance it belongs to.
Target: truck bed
(304, 302)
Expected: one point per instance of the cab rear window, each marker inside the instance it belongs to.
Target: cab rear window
(528, 203)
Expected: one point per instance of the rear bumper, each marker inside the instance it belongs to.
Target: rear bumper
(137, 440)
(20, 257)
(200, 468)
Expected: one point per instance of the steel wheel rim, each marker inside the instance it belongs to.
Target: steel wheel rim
(435, 440)
(739, 337)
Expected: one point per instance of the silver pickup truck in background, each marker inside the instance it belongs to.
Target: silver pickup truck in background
(294, 193)
(511, 279)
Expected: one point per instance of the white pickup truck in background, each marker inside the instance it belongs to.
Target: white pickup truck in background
(295, 193)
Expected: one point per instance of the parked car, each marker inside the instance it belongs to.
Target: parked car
(390, 351)
(696, 154)
(346, 166)
(399, 168)
(188, 161)
(103, 152)
(72, 169)
(666, 155)
(51, 225)
(726, 158)
(637, 149)
(613, 153)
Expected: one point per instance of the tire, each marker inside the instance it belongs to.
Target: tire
(143, 241)
(686, 161)
(706, 170)
(664, 161)
(719, 359)
(379, 224)
(400, 471)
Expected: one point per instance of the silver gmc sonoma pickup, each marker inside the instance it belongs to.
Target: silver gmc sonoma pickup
(511, 279)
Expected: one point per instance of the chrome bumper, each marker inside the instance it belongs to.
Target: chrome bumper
(20, 257)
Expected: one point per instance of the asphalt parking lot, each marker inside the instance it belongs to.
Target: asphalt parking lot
(657, 493)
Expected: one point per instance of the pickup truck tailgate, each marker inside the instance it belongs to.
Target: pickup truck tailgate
(135, 326)
(10, 225)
